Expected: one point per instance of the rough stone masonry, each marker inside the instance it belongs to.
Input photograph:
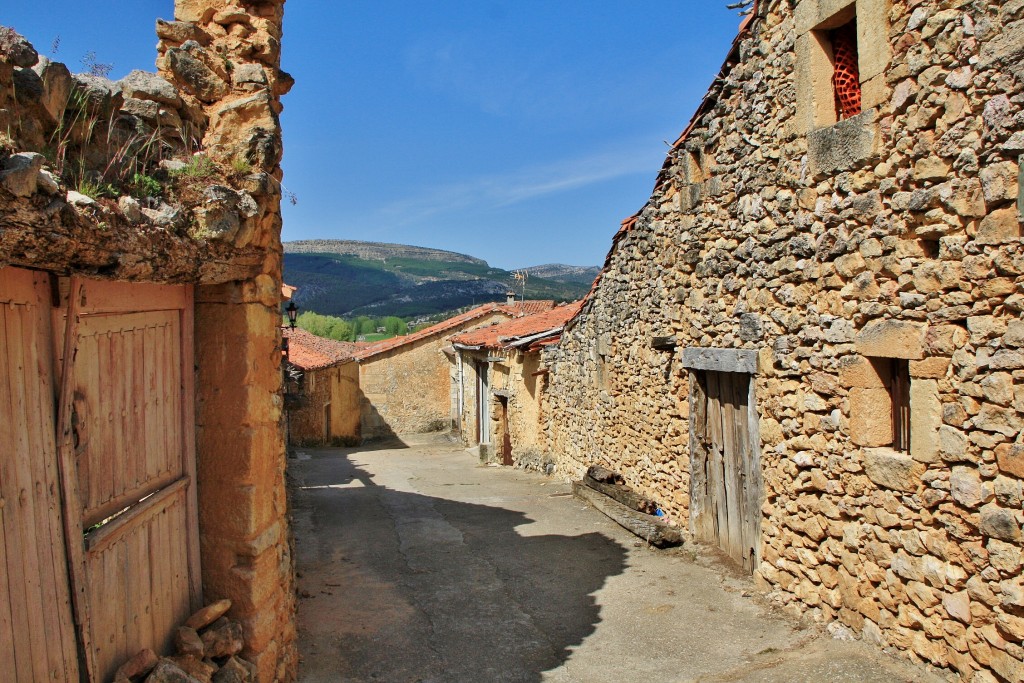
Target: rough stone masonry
(833, 250)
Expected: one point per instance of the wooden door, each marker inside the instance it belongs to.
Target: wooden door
(725, 465)
(483, 404)
(37, 630)
(506, 437)
(133, 447)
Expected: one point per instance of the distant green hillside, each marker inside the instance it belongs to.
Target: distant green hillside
(405, 282)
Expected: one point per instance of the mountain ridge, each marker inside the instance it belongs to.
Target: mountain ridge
(348, 278)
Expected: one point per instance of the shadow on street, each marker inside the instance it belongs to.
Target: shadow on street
(398, 586)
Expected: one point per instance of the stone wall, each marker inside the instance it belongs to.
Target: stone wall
(830, 250)
(225, 60)
(513, 378)
(407, 389)
(337, 386)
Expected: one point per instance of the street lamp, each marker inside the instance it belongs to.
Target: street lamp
(293, 312)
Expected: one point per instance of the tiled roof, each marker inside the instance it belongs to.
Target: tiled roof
(310, 352)
(518, 308)
(498, 336)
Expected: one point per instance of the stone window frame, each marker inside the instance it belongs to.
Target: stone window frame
(888, 340)
(815, 96)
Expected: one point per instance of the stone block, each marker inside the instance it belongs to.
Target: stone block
(843, 146)
(1010, 459)
(999, 227)
(965, 486)
(945, 340)
(870, 417)
(999, 522)
(892, 339)
(891, 470)
(929, 368)
(925, 420)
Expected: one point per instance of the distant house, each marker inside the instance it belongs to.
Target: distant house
(406, 382)
(326, 389)
(499, 384)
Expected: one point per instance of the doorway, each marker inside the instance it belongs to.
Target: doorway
(726, 487)
(483, 396)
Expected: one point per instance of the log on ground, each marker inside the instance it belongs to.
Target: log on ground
(647, 527)
(623, 494)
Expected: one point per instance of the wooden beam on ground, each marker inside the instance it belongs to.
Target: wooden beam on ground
(647, 527)
(623, 494)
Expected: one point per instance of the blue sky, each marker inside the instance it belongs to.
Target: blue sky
(520, 131)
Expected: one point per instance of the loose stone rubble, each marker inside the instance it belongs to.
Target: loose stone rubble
(892, 234)
(207, 646)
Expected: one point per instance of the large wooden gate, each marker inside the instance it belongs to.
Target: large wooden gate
(725, 470)
(116, 360)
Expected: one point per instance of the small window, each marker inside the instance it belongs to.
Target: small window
(899, 391)
(845, 70)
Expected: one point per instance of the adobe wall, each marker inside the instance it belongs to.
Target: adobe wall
(407, 390)
(893, 234)
(337, 385)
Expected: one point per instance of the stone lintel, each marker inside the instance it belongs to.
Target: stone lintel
(721, 360)
(892, 339)
(843, 146)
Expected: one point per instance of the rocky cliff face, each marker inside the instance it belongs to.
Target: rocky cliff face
(377, 251)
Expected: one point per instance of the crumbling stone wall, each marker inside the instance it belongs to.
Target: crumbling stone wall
(225, 59)
(823, 247)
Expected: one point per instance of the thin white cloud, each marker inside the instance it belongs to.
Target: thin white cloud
(525, 184)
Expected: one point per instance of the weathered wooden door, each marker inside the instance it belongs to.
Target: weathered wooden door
(99, 552)
(506, 436)
(483, 404)
(129, 358)
(37, 630)
(725, 467)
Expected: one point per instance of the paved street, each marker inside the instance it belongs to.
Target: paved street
(418, 564)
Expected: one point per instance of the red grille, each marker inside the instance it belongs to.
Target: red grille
(846, 78)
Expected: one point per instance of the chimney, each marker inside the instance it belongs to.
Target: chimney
(510, 298)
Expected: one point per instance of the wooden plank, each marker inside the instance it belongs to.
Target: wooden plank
(25, 502)
(119, 297)
(41, 457)
(116, 529)
(755, 481)
(698, 457)
(8, 664)
(733, 536)
(716, 471)
(69, 484)
(66, 645)
(152, 414)
(188, 436)
(10, 492)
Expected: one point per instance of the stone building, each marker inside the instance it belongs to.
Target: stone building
(140, 276)
(808, 345)
(499, 384)
(327, 390)
(406, 381)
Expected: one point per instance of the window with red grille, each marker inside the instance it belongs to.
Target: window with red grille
(846, 76)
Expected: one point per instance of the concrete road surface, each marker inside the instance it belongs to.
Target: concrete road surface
(417, 564)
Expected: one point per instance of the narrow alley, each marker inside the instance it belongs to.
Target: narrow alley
(416, 563)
